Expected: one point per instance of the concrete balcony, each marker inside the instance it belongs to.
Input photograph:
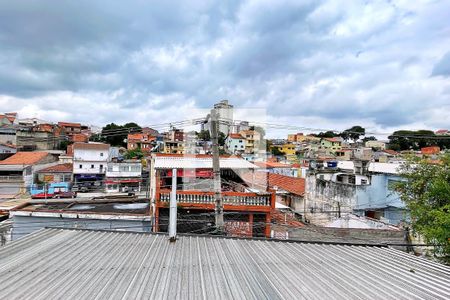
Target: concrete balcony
(230, 199)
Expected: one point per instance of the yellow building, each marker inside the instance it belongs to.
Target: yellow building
(287, 149)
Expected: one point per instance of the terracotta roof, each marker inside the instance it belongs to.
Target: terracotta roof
(391, 152)
(91, 146)
(61, 168)
(294, 185)
(68, 124)
(141, 136)
(24, 158)
(236, 136)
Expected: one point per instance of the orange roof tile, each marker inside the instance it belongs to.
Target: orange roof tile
(391, 152)
(294, 185)
(24, 158)
(68, 124)
(61, 168)
(236, 136)
(92, 146)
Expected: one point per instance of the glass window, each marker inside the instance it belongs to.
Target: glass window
(92, 166)
(101, 154)
(81, 166)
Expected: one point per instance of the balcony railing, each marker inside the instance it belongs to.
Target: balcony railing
(229, 198)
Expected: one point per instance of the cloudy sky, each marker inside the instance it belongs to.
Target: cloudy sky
(321, 64)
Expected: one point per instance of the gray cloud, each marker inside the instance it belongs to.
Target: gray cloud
(327, 61)
(442, 67)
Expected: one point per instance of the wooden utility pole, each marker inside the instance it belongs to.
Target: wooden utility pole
(218, 210)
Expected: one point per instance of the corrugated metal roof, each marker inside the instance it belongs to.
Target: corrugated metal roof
(189, 162)
(76, 264)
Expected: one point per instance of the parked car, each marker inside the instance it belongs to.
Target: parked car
(56, 195)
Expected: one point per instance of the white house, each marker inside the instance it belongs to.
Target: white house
(235, 143)
(89, 163)
(124, 176)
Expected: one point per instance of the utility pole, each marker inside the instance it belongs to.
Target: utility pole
(218, 210)
(173, 208)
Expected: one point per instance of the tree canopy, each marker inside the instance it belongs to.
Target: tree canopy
(426, 193)
(353, 133)
(414, 140)
(115, 135)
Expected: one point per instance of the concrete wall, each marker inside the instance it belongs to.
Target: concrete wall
(378, 194)
(326, 234)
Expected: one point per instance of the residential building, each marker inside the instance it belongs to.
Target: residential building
(32, 122)
(239, 126)
(42, 136)
(71, 130)
(8, 118)
(224, 112)
(331, 145)
(297, 137)
(252, 141)
(89, 164)
(377, 145)
(287, 149)
(289, 190)
(363, 153)
(235, 143)
(8, 134)
(130, 214)
(18, 172)
(335, 192)
(247, 211)
(125, 176)
(172, 147)
(143, 141)
(56, 173)
(7, 149)
(343, 154)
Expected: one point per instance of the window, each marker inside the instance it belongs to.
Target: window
(101, 154)
(363, 181)
(92, 166)
(101, 166)
(81, 166)
(351, 179)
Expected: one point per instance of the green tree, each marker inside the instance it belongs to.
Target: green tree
(326, 134)
(204, 135)
(410, 139)
(134, 154)
(353, 133)
(115, 135)
(426, 193)
(369, 138)
(221, 138)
